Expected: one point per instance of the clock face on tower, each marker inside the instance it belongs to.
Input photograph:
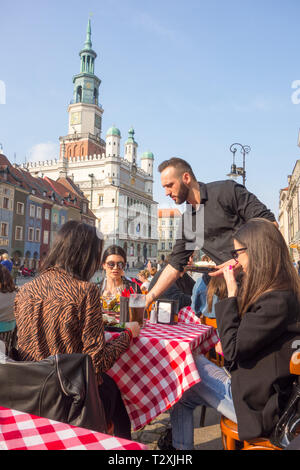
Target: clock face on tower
(75, 118)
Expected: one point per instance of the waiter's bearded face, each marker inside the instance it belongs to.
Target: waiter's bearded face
(175, 185)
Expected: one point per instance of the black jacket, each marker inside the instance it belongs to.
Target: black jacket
(225, 206)
(259, 347)
(181, 290)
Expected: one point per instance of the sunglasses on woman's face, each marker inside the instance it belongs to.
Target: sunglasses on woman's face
(236, 253)
(119, 265)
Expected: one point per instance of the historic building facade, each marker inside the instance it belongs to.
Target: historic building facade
(119, 190)
(168, 223)
(289, 212)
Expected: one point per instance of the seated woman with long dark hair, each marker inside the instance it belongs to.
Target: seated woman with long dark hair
(59, 312)
(258, 325)
(114, 283)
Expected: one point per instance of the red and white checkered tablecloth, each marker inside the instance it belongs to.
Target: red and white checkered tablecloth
(159, 366)
(21, 431)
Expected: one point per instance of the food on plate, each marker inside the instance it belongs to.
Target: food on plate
(204, 264)
(109, 320)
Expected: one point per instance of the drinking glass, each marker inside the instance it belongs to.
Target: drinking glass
(137, 303)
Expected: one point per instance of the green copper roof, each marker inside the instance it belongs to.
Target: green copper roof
(113, 131)
(130, 139)
(148, 155)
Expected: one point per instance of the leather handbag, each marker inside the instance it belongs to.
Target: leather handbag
(288, 426)
(62, 388)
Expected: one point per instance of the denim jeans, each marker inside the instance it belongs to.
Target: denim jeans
(214, 390)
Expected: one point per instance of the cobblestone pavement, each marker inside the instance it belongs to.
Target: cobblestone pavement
(206, 438)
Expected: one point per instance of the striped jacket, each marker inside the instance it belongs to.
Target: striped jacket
(58, 314)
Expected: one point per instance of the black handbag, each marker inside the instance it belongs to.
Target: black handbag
(288, 426)
(62, 388)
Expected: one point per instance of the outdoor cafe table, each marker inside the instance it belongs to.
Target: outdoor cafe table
(159, 366)
(21, 431)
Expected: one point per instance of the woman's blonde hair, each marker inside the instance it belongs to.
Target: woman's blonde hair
(269, 263)
(145, 273)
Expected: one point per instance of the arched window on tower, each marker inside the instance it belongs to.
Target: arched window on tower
(79, 94)
(88, 63)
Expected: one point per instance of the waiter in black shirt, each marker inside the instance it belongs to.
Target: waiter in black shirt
(214, 212)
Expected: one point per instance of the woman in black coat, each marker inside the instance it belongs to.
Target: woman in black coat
(258, 327)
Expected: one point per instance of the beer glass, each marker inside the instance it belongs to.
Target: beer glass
(137, 304)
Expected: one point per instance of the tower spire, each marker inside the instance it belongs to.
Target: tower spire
(88, 40)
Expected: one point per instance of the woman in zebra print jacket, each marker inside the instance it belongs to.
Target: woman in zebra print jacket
(59, 312)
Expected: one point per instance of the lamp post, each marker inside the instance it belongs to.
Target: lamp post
(239, 171)
(92, 187)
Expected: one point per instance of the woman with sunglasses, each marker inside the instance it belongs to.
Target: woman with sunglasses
(115, 282)
(259, 329)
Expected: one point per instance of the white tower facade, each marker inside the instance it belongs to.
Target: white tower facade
(131, 147)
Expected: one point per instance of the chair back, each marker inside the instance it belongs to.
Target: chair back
(295, 363)
(209, 321)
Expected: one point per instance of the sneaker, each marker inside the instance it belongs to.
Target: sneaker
(165, 440)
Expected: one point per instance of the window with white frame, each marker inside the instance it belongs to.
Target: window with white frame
(46, 237)
(30, 234)
(62, 220)
(55, 218)
(4, 229)
(19, 233)
(20, 208)
(37, 235)
(5, 203)
(32, 210)
(38, 212)
(47, 214)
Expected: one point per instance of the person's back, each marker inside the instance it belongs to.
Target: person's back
(6, 262)
(55, 300)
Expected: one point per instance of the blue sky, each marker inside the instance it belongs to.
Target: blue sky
(191, 77)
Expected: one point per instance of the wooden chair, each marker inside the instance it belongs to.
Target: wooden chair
(229, 431)
(212, 355)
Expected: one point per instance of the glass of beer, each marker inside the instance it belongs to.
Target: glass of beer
(137, 304)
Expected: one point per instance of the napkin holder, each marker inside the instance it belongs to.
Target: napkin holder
(167, 311)
(124, 309)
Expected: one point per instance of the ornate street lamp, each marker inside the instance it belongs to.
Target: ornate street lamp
(92, 176)
(238, 171)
